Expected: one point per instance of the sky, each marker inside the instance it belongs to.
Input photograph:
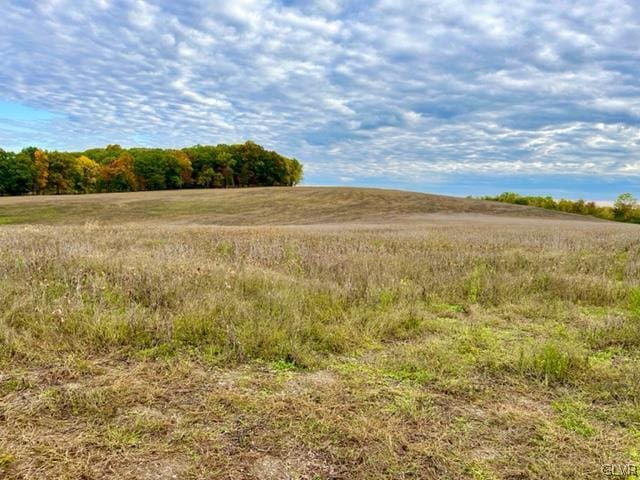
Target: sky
(462, 97)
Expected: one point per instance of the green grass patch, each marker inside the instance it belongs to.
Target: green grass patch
(6, 459)
(551, 362)
(634, 301)
(574, 416)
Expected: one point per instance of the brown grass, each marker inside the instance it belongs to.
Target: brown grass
(433, 345)
(255, 206)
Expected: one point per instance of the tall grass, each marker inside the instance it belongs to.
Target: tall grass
(288, 293)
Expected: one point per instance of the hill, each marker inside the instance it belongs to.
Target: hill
(256, 206)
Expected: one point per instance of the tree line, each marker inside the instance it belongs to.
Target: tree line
(625, 208)
(116, 169)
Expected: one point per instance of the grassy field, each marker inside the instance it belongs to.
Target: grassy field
(314, 333)
(255, 206)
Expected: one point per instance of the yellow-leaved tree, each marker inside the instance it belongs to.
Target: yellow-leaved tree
(87, 172)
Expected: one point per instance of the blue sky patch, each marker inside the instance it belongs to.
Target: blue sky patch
(12, 111)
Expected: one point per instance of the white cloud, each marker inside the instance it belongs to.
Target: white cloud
(353, 89)
(142, 14)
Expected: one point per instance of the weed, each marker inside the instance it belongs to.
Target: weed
(573, 416)
(6, 459)
(551, 362)
(475, 282)
(284, 366)
(634, 301)
(480, 472)
(117, 437)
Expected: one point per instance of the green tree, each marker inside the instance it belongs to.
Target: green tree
(178, 169)
(210, 164)
(150, 166)
(508, 197)
(104, 156)
(625, 208)
(206, 177)
(209, 178)
(17, 173)
(61, 172)
(114, 168)
(226, 164)
(294, 172)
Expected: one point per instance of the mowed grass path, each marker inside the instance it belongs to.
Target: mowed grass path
(354, 337)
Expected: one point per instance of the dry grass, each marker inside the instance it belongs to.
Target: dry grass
(255, 206)
(430, 346)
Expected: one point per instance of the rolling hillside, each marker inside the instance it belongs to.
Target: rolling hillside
(255, 206)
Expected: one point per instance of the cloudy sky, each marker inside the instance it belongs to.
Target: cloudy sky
(462, 97)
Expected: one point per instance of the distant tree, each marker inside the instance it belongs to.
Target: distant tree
(17, 173)
(226, 164)
(294, 172)
(104, 156)
(61, 172)
(249, 161)
(208, 178)
(40, 161)
(625, 208)
(590, 208)
(548, 203)
(579, 206)
(87, 173)
(210, 164)
(118, 176)
(508, 197)
(149, 166)
(565, 205)
(178, 169)
(114, 168)
(202, 156)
